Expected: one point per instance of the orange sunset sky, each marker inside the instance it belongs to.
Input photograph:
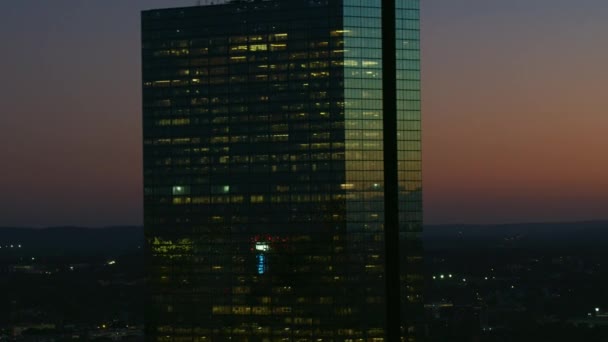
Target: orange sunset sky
(515, 111)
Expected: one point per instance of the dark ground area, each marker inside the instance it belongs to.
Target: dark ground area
(529, 282)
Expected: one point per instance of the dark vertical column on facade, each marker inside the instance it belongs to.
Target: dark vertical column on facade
(391, 195)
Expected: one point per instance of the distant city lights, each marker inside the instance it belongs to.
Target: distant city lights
(444, 277)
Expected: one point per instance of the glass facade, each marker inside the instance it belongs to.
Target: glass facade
(264, 171)
(407, 32)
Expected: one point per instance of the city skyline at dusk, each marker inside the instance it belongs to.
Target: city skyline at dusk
(513, 100)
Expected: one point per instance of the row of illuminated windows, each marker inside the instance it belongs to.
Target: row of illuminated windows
(350, 145)
(240, 166)
(249, 99)
(296, 136)
(214, 41)
(275, 104)
(258, 38)
(336, 145)
(350, 155)
(302, 172)
(272, 21)
(168, 48)
(259, 76)
(280, 82)
(363, 104)
(256, 114)
(293, 45)
(370, 63)
(216, 114)
(352, 69)
(358, 31)
(255, 107)
(351, 93)
(248, 187)
(363, 74)
(256, 167)
(259, 109)
(227, 193)
(363, 145)
(202, 238)
(221, 51)
(170, 73)
(249, 168)
(361, 122)
(319, 120)
(225, 251)
(276, 335)
(363, 135)
(355, 150)
(277, 56)
(244, 102)
(243, 126)
(248, 310)
(355, 195)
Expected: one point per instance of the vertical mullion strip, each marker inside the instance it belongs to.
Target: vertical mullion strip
(391, 185)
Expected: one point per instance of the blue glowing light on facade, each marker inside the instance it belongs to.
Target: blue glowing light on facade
(261, 263)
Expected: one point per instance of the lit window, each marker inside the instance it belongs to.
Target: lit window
(258, 47)
(180, 190)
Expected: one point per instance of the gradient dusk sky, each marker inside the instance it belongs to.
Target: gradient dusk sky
(515, 111)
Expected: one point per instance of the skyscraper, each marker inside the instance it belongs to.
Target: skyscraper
(282, 171)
